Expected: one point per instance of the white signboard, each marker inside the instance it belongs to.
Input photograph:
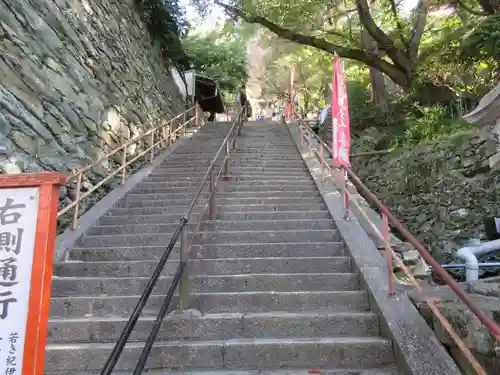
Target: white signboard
(18, 218)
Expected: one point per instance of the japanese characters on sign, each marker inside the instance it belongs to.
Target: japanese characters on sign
(341, 138)
(18, 217)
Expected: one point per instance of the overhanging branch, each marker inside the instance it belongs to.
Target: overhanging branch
(384, 42)
(396, 73)
(418, 29)
(471, 10)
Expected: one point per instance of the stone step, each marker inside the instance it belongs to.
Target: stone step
(196, 182)
(225, 209)
(268, 237)
(205, 251)
(100, 230)
(221, 266)
(231, 216)
(379, 370)
(317, 301)
(220, 193)
(339, 352)
(244, 176)
(285, 151)
(234, 171)
(246, 225)
(236, 162)
(188, 169)
(226, 187)
(260, 282)
(188, 326)
(220, 237)
(222, 201)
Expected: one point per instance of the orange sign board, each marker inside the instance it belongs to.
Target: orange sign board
(28, 220)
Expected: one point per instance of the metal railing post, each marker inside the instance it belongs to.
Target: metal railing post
(170, 134)
(124, 163)
(226, 161)
(388, 255)
(77, 200)
(344, 193)
(196, 114)
(322, 160)
(309, 140)
(152, 154)
(240, 122)
(235, 133)
(184, 130)
(184, 282)
(213, 192)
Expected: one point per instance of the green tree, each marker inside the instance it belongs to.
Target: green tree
(220, 55)
(337, 27)
(378, 34)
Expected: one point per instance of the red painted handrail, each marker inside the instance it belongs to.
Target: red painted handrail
(346, 172)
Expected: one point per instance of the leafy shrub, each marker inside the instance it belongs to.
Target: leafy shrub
(365, 114)
(483, 41)
(429, 123)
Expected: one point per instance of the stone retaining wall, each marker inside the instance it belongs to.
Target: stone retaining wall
(75, 76)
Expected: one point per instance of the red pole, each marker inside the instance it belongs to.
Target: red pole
(388, 255)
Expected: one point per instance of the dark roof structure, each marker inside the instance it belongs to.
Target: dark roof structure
(208, 94)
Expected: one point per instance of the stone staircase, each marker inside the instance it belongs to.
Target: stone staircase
(273, 287)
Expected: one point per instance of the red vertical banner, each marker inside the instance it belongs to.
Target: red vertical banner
(341, 137)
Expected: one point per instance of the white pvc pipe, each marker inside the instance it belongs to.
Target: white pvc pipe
(471, 264)
(469, 255)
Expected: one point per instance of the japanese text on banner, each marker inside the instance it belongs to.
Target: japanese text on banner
(341, 138)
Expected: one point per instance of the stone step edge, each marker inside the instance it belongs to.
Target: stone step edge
(332, 293)
(221, 232)
(243, 275)
(340, 340)
(219, 213)
(132, 194)
(334, 243)
(179, 315)
(131, 262)
(212, 222)
(379, 370)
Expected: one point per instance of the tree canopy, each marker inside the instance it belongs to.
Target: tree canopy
(221, 55)
(381, 34)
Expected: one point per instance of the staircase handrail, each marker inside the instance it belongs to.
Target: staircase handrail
(155, 133)
(181, 275)
(306, 135)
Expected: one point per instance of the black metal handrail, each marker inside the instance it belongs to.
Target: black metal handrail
(122, 340)
(181, 275)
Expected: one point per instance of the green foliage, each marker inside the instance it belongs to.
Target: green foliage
(430, 123)
(166, 23)
(363, 113)
(219, 55)
(483, 41)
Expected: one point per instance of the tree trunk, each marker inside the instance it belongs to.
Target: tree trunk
(379, 89)
(490, 6)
